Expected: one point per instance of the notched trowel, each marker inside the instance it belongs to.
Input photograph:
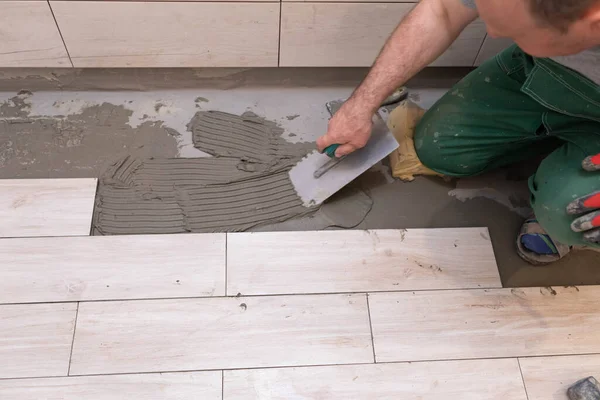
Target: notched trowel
(318, 176)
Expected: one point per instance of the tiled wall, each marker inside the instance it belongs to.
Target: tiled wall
(263, 33)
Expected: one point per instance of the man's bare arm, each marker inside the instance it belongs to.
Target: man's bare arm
(422, 36)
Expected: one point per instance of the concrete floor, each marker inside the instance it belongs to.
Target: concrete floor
(60, 132)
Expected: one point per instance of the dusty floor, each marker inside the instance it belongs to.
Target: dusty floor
(59, 124)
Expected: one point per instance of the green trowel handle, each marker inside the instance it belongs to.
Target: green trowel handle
(330, 150)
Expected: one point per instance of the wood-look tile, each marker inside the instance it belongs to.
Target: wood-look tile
(461, 324)
(498, 379)
(111, 267)
(359, 261)
(169, 386)
(46, 207)
(220, 333)
(35, 339)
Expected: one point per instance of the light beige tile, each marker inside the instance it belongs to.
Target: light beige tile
(451, 380)
(352, 34)
(30, 37)
(170, 386)
(162, 1)
(46, 207)
(460, 324)
(112, 267)
(35, 339)
(413, 2)
(169, 34)
(548, 378)
(359, 261)
(216, 333)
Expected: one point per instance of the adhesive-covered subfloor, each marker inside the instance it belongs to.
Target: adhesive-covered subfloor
(245, 184)
(64, 133)
(247, 137)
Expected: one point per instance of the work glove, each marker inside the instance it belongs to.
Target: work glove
(588, 207)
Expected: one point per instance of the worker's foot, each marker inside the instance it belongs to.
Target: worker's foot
(404, 161)
(536, 247)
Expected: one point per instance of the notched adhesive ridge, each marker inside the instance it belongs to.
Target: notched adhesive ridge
(245, 136)
(245, 185)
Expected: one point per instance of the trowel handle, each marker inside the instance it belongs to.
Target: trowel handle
(330, 150)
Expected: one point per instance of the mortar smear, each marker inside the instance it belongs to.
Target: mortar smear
(78, 145)
(164, 173)
(243, 136)
(136, 207)
(245, 186)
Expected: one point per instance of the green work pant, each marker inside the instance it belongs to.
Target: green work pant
(512, 108)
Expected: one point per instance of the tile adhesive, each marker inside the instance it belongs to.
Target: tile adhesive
(244, 185)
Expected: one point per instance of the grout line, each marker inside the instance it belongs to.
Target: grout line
(181, 371)
(92, 223)
(299, 366)
(480, 50)
(217, 233)
(226, 258)
(279, 37)
(60, 33)
(41, 237)
(66, 237)
(522, 378)
(222, 385)
(371, 327)
(413, 2)
(73, 341)
(269, 295)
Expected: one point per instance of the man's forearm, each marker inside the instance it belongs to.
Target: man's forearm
(422, 36)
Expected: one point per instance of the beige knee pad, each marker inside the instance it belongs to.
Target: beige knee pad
(404, 161)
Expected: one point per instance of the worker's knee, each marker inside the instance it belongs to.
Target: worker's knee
(442, 144)
(558, 181)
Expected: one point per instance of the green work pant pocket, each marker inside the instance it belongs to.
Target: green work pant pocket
(563, 91)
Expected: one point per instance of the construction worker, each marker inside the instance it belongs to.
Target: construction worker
(540, 96)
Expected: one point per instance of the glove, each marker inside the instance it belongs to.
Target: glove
(588, 207)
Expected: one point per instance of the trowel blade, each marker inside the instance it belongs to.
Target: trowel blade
(314, 191)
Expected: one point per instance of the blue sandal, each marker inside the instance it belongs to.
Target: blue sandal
(536, 247)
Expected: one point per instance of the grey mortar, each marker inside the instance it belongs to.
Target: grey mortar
(245, 185)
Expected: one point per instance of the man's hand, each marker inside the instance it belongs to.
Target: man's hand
(422, 36)
(349, 127)
(589, 206)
